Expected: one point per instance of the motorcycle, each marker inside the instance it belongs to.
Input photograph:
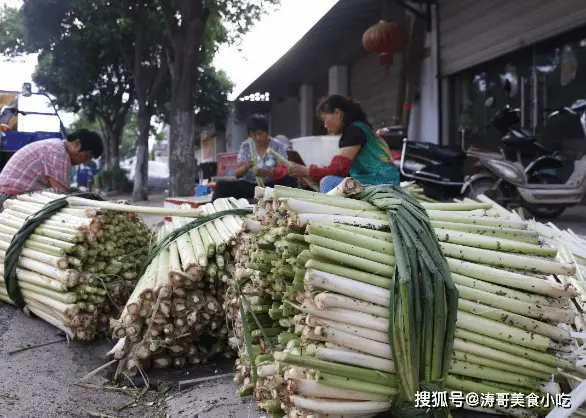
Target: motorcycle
(438, 169)
(511, 184)
(540, 164)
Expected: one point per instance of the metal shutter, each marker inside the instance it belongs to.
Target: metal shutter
(474, 31)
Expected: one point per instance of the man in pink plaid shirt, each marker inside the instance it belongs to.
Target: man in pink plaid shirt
(46, 164)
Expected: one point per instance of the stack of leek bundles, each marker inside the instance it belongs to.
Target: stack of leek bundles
(348, 325)
(78, 267)
(175, 316)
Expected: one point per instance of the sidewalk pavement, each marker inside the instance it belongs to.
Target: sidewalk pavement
(215, 398)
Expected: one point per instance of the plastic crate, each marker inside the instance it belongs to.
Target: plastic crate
(14, 140)
(84, 175)
(227, 163)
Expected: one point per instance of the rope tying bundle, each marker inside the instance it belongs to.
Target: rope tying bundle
(423, 300)
(17, 243)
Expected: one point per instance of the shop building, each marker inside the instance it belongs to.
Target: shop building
(470, 48)
(538, 45)
(329, 58)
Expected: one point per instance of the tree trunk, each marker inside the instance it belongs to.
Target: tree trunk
(181, 149)
(106, 140)
(112, 154)
(106, 156)
(112, 143)
(118, 124)
(186, 42)
(115, 150)
(141, 172)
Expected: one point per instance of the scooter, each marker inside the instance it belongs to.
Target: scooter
(519, 145)
(513, 185)
(438, 169)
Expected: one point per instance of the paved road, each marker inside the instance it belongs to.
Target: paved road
(213, 399)
(39, 382)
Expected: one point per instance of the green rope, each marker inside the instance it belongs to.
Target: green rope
(249, 305)
(423, 301)
(243, 301)
(248, 342)
(17, 243)
(177, 233)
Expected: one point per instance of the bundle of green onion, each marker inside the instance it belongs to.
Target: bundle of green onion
(177, 303)
(266, 275)
(416, 191)
(78, 266)
(253, 161)
(375, 314)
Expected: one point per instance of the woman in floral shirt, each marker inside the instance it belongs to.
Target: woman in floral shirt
(267, 167)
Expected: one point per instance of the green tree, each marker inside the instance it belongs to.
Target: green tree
(83, 70)
(12, 35)
(131, 133)
(130, 31)
(85, 122)
(191, 25)
(101, 87)
(129, 136)
(152, 39)
(146, 59)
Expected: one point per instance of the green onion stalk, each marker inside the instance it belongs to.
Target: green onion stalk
(380, 296)
(307, 180)
(416, 191)
(175, 315)
(76, 267)
(259, 180)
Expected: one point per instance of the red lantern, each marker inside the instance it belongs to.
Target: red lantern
(385, 38)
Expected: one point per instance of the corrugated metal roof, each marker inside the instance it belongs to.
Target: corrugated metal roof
(334, 39)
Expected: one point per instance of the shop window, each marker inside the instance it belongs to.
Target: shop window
(561, 69)
(544, 78)
(473, 87)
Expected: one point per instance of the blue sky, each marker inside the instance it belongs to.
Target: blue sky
(274, 35)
